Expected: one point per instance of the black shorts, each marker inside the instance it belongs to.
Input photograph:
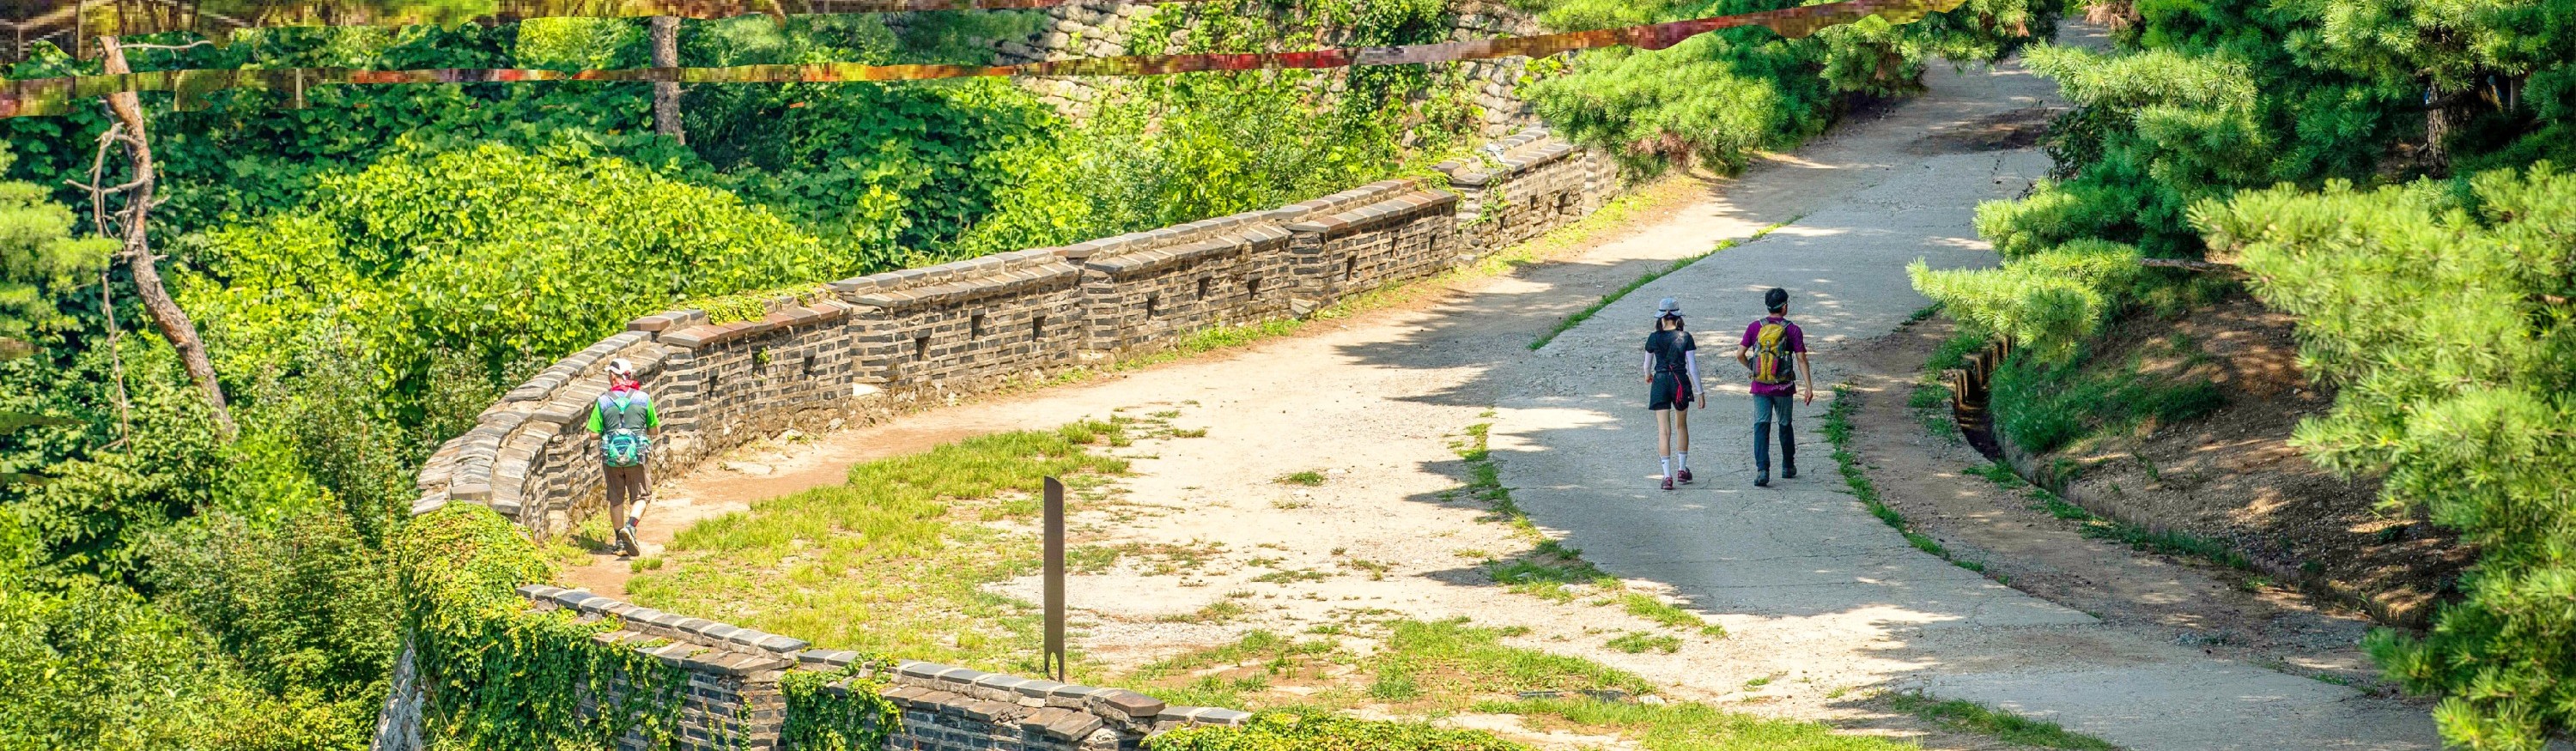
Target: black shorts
(1670, 390)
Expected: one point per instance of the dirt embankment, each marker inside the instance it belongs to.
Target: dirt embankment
(2236, 477)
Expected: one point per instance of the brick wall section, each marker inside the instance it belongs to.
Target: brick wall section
(880, 344)
(733, 700)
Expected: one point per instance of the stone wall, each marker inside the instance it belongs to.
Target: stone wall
(873, 346)
(733, 699)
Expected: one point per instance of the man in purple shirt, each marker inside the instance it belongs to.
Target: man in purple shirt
(1768, 344)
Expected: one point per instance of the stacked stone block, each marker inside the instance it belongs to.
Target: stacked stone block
(877, 344)
(965, 327)
(733, 701)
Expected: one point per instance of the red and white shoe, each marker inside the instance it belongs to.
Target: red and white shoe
(1685, 477)
(1668, 482)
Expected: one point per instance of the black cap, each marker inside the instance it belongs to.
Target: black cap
(1775, 299)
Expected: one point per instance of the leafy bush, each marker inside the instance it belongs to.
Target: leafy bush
(306, 608)
(88, 664)
(2046, 301)
(500, 254)
(1719, 98)
(2444, 316)
(1321, 731)
(502, 677)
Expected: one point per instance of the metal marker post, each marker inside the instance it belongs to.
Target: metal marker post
(1054, 658)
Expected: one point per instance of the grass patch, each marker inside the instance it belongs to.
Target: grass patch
(1578, 317)
(1292, 576)
(1686, 726)
(1640, 642)
(1308, 478)
(1667, 614)
(1485, 483)
(1969, 717)
(895, 560)
(1838, 431)
(1221, 611)
(2044, 407)
(2170, 542)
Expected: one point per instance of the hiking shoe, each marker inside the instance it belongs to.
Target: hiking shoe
(626, 542)
(1762, 480)
(1668, 483)
(1789, 470)
(1685, 477)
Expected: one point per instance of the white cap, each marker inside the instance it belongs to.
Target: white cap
(621, 368)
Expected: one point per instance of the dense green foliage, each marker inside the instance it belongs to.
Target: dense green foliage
(2439, 308)
(2212, 97)
(2445, 316)
(1719, 98)
(492, 253)
(497, 676)
(838, 710)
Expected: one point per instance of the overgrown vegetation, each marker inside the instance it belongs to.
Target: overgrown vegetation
(1719, 98)
(2380, 168)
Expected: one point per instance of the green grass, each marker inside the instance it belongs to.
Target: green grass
(1968, 717)
(1640, 642)
(1838, 431)
(1668, 615)
(2044, 407)
(1436, 668)
(1686, 726)
(895, 560)
(2170, 542)
(1578, 317)
(1309, 478)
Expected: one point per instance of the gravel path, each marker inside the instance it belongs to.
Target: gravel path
(1816, 593)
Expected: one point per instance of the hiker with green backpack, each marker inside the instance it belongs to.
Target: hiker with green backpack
(1768, 343)
(627, 424)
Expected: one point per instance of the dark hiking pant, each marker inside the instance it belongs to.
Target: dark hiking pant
(627, 484)
(1765, 408)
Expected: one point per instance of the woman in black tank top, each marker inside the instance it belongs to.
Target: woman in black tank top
(1672, 383)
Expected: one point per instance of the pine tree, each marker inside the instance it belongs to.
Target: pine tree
(2445, 316)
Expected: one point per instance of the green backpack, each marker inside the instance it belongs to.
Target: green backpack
(623, 419)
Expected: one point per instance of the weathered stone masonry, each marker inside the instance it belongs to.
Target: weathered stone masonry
(880, 344)
(733, 701)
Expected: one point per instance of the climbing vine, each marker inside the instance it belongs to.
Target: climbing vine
(839, 710)
(496, 676)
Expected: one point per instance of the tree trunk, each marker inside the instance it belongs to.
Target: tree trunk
(666, 94)
(173, 322)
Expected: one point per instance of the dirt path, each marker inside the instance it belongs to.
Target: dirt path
(1822, 602)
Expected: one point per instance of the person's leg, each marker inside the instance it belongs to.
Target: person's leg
(621, 486)
(1788, 436)
(1681, 437)
(1762, 439)
(1664, 444)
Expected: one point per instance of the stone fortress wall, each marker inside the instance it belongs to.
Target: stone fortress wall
(877, 345)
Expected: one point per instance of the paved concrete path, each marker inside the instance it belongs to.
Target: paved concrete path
(1802, 562)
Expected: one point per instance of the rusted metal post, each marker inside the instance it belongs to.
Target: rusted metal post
(1054, 658)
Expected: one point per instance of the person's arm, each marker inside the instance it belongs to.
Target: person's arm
(1691, 360)
(652, 419)
(596, 426)
(1807, 373)
(1648, 367)
(1744, 357)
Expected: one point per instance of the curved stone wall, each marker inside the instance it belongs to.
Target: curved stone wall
(877, 345)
